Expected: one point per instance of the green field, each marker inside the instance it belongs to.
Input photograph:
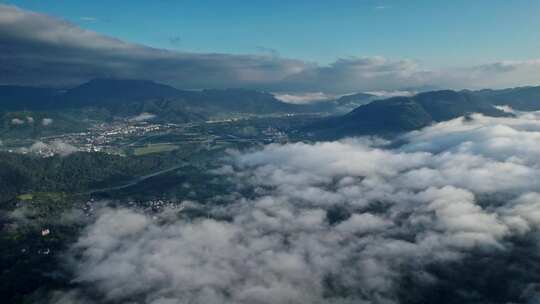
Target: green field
(154, 148)
(52, 196)
(25, 197)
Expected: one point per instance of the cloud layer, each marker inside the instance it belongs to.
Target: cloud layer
(55, 147)
(437, 218)
(40, 50)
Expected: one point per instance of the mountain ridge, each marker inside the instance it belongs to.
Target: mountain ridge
(130, 97)
(400, 114)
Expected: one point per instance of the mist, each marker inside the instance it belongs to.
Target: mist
(446, 214)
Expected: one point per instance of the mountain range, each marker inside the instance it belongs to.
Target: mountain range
(400, 114)
(130, 97)
(521, 98)
(369, 115)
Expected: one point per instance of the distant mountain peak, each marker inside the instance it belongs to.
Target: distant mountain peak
(100, 90)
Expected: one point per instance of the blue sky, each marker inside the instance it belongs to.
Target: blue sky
(433, 33)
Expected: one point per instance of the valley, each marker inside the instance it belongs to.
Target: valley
(269, 152)
(61, 168)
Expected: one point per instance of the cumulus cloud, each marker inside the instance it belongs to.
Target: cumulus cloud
(506, 73)
(46, 121)
(364, 73)
(62, 148)
(352, 221)
(143, 117)
(55, 147)
(304, 98)
(17, 121)
(36, 46)
(388, 94)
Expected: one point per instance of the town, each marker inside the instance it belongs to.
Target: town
(128, 137)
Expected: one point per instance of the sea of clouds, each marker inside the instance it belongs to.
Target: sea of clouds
(447, 213)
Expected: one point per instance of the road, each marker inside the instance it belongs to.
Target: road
(135, 181)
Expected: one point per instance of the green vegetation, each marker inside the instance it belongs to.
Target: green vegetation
(401, 114)
(23, 175)
(25, 197)
(154, 148)
(34, 234)
(34, 124)
(45, 203)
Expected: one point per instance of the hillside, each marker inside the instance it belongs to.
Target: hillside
(522, 98)
(126, 98)
(76, 172)
(348, 103)
(112, 92)
(105, 99)
(401, 114)
(15, 98)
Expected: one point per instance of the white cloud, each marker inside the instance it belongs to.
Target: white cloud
(17, 121)
(55, 147)
(62, 148)
(304, 98)
(39, 46)
(388, 94)
(451, 190)
(47, 121)
(143, 117)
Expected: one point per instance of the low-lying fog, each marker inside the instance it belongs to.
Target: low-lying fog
(451, 213)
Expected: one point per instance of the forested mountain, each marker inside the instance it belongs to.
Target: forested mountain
(350, 102)
(400, 114)
(73, 173)
(131, 97)
(446, 104)
(112, 92)
(522, 98)
(126, 98)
